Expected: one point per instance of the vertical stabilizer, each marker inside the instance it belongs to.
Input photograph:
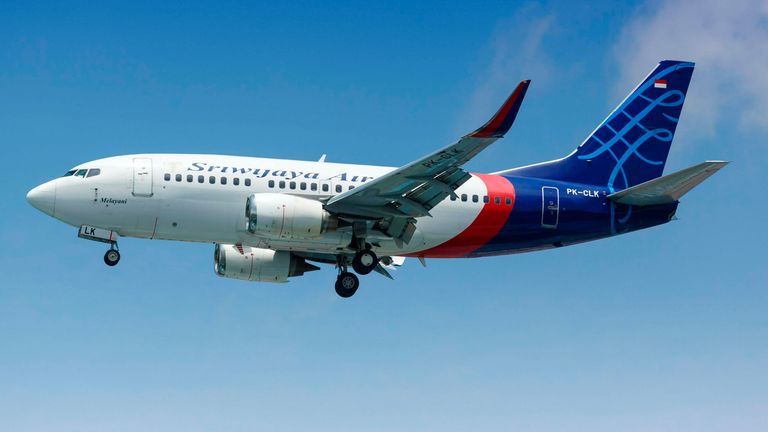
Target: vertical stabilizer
(631, 145)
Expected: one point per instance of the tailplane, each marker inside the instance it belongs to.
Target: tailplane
(669, 188)
(631, 145)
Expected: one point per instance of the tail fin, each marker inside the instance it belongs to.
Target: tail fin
(631, 145)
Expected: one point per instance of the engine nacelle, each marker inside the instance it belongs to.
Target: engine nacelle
(254, 264)
(281, 216)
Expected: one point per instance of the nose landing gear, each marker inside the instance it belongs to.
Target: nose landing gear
(112, 257)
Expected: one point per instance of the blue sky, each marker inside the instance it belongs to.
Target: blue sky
(663, 329)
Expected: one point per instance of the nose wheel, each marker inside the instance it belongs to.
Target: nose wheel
(112, 257)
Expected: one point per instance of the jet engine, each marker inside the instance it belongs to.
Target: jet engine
(281, 216)
(254, 264)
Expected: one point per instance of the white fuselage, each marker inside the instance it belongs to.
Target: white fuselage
(202, 198)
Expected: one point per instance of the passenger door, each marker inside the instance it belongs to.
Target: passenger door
(142, 177)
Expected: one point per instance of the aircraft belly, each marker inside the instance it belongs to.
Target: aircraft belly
(328, 243)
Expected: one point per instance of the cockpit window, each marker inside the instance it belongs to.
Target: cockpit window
(93, 172)
(81, 173)
(69, 173)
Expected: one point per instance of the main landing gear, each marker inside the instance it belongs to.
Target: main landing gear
(363, 262)
(347, 284)
(112, 257)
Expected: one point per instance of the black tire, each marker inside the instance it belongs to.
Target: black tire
(365, 261)
(347, 284)
(112, 257)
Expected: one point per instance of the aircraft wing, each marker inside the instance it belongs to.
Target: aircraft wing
(413, 190)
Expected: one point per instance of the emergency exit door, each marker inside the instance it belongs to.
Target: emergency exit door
(550, 206)
(142, 177)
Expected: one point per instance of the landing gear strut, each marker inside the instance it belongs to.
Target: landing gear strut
(363, 262)
(347, 283)
(112, 257)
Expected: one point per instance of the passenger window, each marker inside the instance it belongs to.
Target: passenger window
(189, 178)
(247, 182)
(464, 197)
(508, 201)
(303, 186)
(313, 186)
(271, 183)
(281, 185)
(325, 188)
(93, 172)
(212, 180)
(70, 173)
(453, 197)
(338, 188)
(351, 187)
(474, 198)
(167, 177)
(293, 185)
(178, 177)
(486, 199)
(497, 200)
(200, 179)
(236, 181)
(223, 180)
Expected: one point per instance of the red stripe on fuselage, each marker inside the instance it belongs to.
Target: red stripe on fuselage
(486, 225)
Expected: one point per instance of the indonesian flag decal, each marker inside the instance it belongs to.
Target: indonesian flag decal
(660, 83)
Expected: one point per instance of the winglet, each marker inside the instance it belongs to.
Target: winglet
(500, 123)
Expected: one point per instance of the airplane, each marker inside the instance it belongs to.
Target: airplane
(273, 219)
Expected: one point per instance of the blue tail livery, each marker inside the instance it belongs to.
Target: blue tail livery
(631, 145)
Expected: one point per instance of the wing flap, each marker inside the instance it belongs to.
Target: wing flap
(669, 188)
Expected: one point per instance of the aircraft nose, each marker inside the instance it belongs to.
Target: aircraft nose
(43, 198)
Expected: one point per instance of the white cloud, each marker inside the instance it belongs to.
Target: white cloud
(517, 54)
(727, 40)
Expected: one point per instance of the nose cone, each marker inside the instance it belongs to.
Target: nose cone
(43, 198)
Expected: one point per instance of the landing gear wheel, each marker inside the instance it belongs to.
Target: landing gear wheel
(112, 257)
(364, 261)
(347, 284)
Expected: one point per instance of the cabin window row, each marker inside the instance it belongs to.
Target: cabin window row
(281, 184)
(486, 199)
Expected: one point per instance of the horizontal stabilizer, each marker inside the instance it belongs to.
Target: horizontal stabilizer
(669, 188)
